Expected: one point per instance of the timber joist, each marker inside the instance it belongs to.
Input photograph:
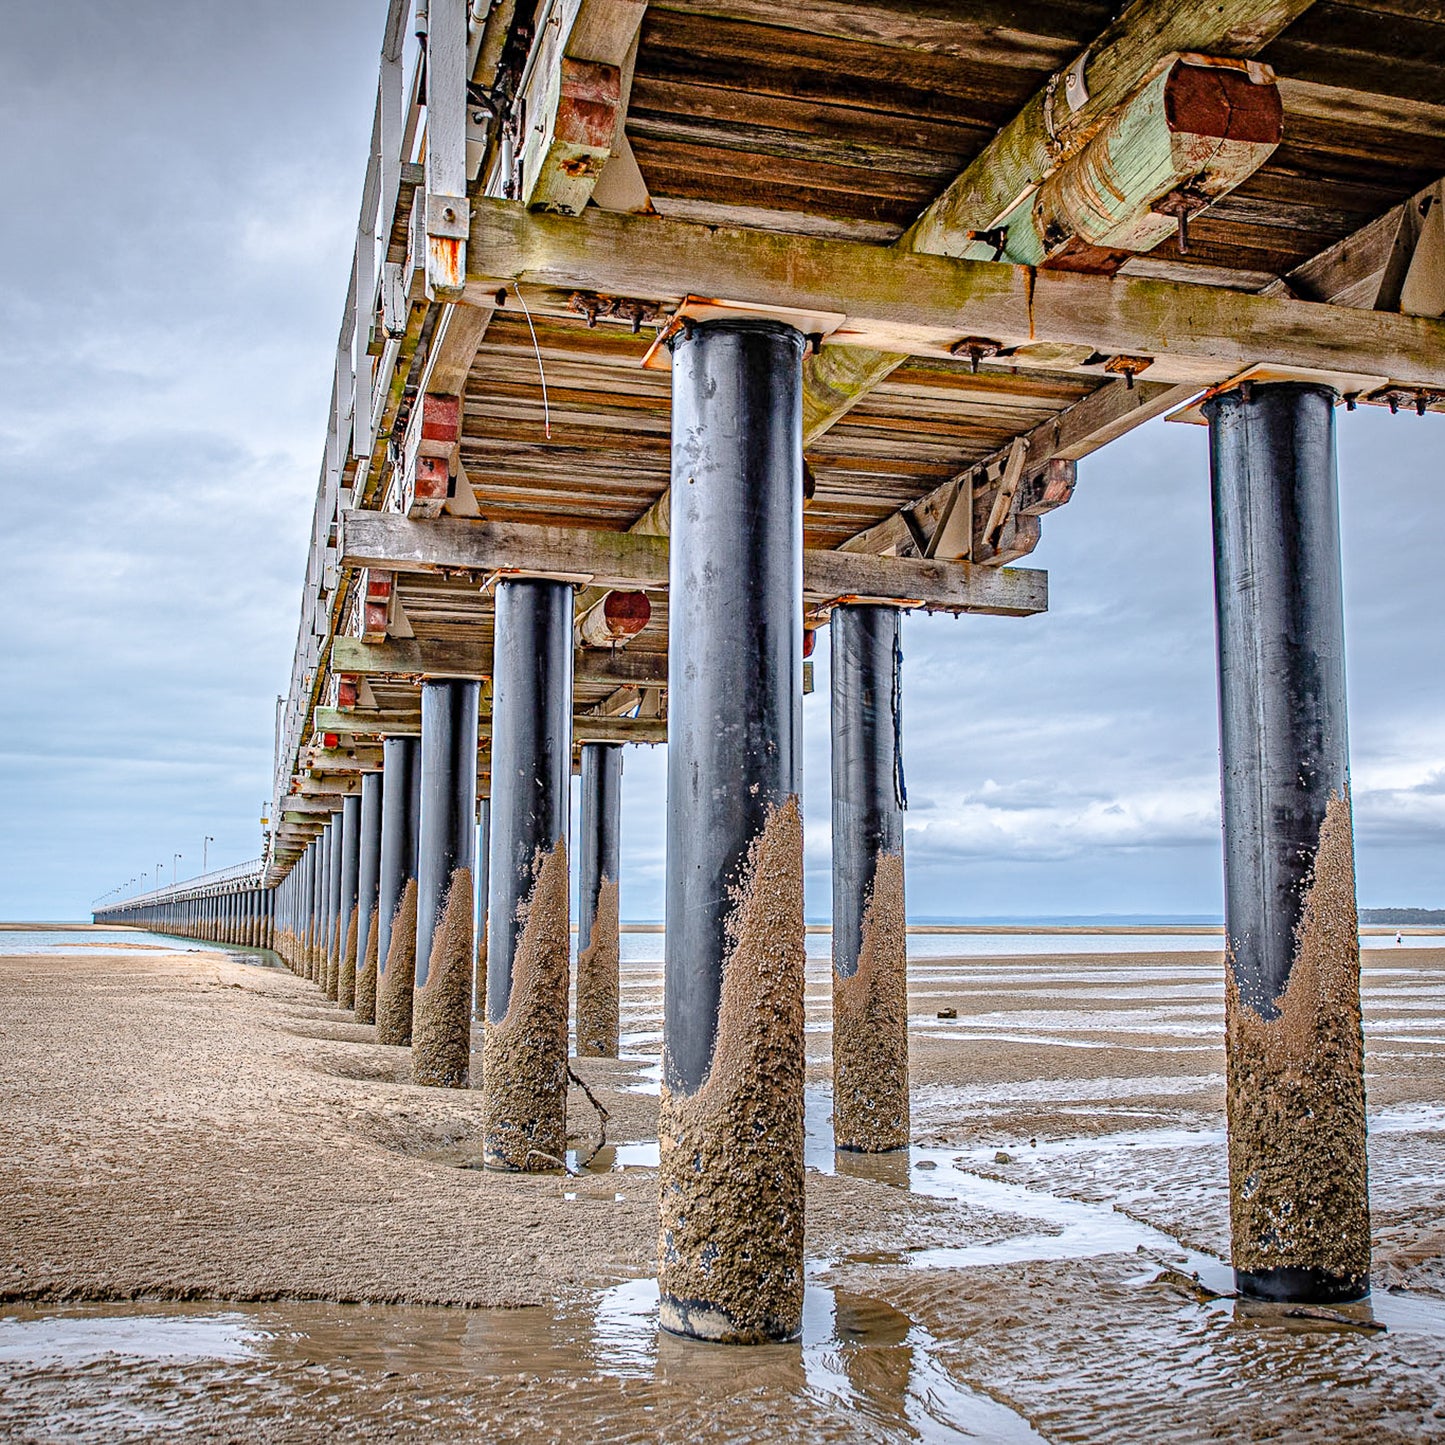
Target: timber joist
(1179, 194)
(925, 305)
(632, 560)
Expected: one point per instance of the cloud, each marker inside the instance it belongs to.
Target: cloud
(187, 180)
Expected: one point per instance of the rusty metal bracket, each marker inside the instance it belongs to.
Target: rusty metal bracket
(995, 236)
(447, 216)
(1076, 92)
(1128, 367)
(1419, 398)
(630, 309)
(976, 348)
(1182, 203)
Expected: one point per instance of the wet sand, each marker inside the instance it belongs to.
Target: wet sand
(187, 1127)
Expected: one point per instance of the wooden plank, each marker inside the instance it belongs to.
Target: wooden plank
(949, 586)
(1368, 268)
(308, 805)
(927, 305)
(398, 725)
(345, 760)
(632, 560)
(1074, 433)
(609, 559)
(589, 729)
(590, 667)
(446, 149)
(995, 30)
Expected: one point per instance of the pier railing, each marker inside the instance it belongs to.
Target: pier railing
(218, 880)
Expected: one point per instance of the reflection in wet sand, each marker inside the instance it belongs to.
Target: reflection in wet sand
(595, 1369)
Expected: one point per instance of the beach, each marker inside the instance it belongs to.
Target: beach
(224, 1207)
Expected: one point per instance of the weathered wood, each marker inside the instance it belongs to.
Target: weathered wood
(997, 30)
(1204, 127)
(625, 559)
(1073, 434)
(464, 659)
(446, 149)
(1368, 269)
(950, 586)
(1048, 129)
(576, 101)
(609, 559)
(454, 344)
(1046, 132)
(585, 728)
(307, 805)
(928, 304)
(344, 760)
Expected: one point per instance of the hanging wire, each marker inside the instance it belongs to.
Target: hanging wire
(546, 409)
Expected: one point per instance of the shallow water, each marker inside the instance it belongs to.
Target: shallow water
(595, 1367)
(1056, 1301)
(18, 941)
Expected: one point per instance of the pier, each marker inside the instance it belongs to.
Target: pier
(678, 335)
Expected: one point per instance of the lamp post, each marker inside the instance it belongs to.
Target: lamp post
(175, 869)
(205, 843)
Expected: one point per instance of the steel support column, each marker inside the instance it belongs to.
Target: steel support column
(524, 1051)
(442, 1006)
(479, 962)
(313, 905)
(368, 884)
(346, 916)
(731, 1179)
(334, 921)
(597, 920)
(1295, 1058)
(396, 937)
(870, 970)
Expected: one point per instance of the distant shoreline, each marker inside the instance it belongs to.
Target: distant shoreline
(1201, 930)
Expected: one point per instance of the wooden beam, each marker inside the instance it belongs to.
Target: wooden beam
(1054, 126)
(609, 559)
(575, 101)
(446, 149)
(1367, 269)
(1073, 434)
(625, 559)
(589, 729)
(928, 305)
(330, 783)
(947, 586)
(585, 728)
(590, 666)
(344, 760)
(307, 806)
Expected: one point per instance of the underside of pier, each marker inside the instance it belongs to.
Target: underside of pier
(1142, 206)
(679, 331)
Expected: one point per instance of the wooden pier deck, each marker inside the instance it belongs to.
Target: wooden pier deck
(678, 332)
(613, 167)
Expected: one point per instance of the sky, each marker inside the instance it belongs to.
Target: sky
(184, 182)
